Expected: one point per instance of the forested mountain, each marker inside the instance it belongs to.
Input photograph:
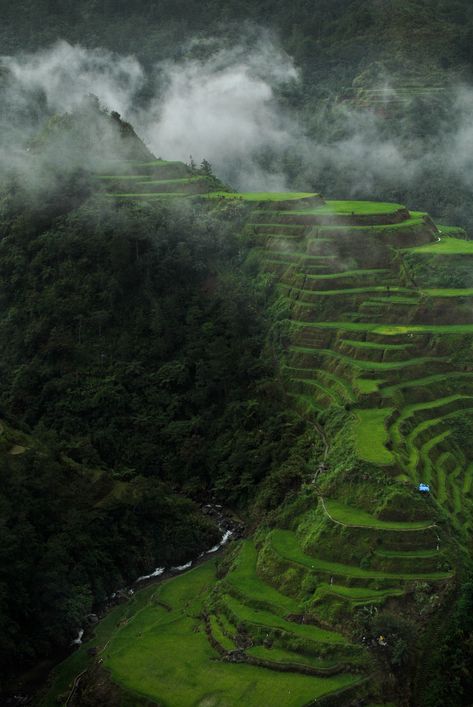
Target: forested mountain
(183, 362)
(134, 379)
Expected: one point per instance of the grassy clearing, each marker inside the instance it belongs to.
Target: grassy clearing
(367, 386)
(342, 384)
(319, 389)
(147, 195)
(261, 617)
(375, 229)
(354, 517)
(444, 292)
(371, 435)
(356, 208)
(348, 274)
(357, 595)
(444, 246)
(166, 657)
(453, 231)
(124, 177)
(361, 291)
(440, 378)
(286, 545)
(262, 196)
(219, 636)
(409, 411)
(370, 345)
(409, 554)
(279, 655)
(390, 300)
(468, 480)
(367, 365)
(63, 675)
(180, 180)
(244, 580)
(391, 329)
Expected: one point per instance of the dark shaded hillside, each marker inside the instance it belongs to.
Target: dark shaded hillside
(323, 35)
(72, 535)
(131, 345)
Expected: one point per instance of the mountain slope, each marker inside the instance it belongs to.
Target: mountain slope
(339, 592)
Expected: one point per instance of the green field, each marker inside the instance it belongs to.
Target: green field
(262, 196)
(286, 544)
(357, 208)
(390, 329)
(244, 580)
(346, 515)
(445, 246)
(165, 656)
(371, 435)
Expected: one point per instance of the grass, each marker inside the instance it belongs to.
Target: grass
(445, 292)
(356, 208)
(286, 545)
(367, 386)
(357, 518)
(396, 431)
(359, 291)
(279, 655)
(219, 636)
(343, 385)
(147, 195)
(166, 657)
(262, 196)
(391, 299)
(261, 617)
(244, 580)
(445, 246)
(125, 177)
(426, 381)
(390, 329)
(412, 409)
(371, 435)
(374, 229)
(408, 554)
(348, 274)
(64, 674)
(370, 345)
(367, 365)
(357, 595)
(180, 180)
(318, 389)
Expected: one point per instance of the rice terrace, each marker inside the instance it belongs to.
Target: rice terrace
(236, 353)
(373, 358)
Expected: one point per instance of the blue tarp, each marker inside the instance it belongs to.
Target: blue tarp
(424, 488)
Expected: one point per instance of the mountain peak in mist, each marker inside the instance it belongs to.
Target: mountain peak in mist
(88, 135)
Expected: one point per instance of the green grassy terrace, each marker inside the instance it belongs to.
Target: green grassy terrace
(356, 518)
(261, 196)
(285, 544)
(445, 246)
(357, 208)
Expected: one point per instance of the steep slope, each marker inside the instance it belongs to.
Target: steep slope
(332, 599)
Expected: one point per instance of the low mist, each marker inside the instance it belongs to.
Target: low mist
(227, 108)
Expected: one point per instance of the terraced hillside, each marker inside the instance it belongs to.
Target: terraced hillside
(153, 179)
(329, 602)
